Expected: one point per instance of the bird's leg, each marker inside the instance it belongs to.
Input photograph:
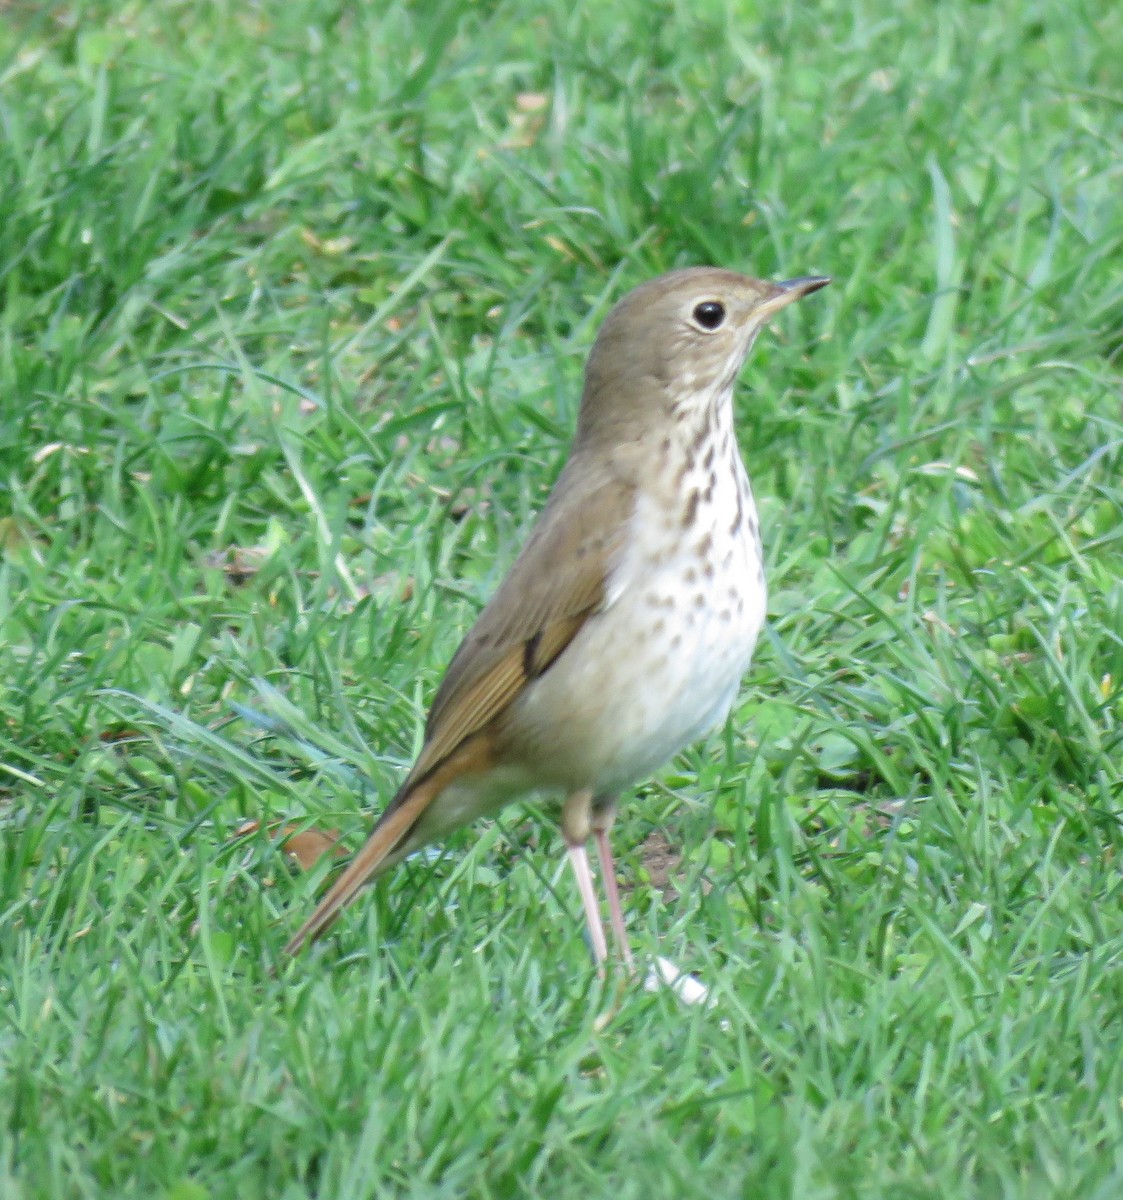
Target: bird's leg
(603, 817)
(576, 828)
(579, 859)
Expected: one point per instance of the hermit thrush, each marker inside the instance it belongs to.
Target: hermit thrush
(622, 630)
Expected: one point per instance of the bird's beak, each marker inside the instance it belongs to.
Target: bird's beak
(787, 291)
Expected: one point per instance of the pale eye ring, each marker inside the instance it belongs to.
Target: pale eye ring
(710, 314)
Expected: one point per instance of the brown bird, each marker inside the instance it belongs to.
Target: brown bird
(622, 630)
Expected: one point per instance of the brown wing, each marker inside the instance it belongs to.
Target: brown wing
(555, 584)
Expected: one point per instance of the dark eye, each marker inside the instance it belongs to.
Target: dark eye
(709, 314)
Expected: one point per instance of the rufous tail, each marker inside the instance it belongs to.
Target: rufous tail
(377, 848)
(388, 835)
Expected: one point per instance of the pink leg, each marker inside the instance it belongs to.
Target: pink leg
(608, 871)
(579, 860)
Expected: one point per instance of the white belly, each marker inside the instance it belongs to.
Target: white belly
(661, 665)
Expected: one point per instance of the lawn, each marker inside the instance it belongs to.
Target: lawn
(294, 304)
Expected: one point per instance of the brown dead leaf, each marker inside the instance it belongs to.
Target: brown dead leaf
(305, 846)
(120, 733)
(239, 563)
(310, 845)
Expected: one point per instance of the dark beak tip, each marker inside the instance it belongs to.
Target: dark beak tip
(806, 284)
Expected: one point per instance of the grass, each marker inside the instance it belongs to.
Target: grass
(295, 301)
